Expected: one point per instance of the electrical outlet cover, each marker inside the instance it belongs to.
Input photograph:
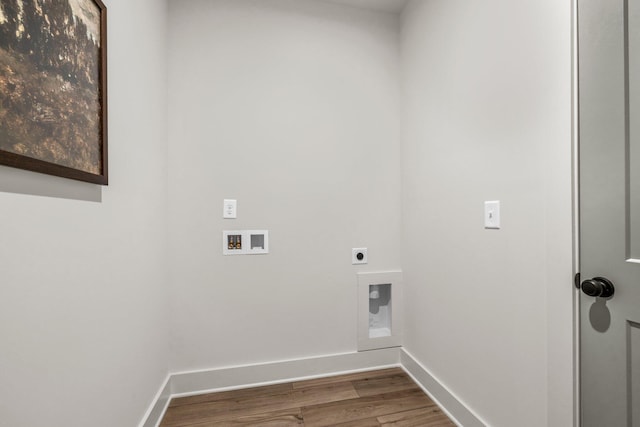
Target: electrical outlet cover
(359, 256)
(230, 208)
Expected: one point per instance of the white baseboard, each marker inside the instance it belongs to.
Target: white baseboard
(439, 393)
(158, 406)
(237, 377)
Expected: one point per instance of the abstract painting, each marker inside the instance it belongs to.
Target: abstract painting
(53, 109)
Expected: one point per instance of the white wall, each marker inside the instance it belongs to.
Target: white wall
(83, 294)
(488, 117)
(292, 108)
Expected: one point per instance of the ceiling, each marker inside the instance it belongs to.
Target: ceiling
(391, 6)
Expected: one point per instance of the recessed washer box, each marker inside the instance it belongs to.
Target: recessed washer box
(379, 310)
(245, 242)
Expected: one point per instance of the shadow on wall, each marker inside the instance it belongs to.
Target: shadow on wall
(25, 182)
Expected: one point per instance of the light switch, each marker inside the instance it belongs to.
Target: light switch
(229, 209)
(492, 214)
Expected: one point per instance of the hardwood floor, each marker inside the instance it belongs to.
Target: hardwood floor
(369, 399)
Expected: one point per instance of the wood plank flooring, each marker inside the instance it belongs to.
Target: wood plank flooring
(369, 399)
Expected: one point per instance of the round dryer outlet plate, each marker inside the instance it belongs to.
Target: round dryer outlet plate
(359, 256)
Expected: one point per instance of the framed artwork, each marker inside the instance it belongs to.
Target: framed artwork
(53, 87)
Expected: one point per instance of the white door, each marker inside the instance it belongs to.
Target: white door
(609, 143)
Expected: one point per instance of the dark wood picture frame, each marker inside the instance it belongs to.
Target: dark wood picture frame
(53, 88)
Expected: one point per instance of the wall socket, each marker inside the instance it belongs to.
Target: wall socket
(359, 256)
(230, 208)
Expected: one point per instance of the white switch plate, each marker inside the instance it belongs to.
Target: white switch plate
(230, 208)
(492, 214)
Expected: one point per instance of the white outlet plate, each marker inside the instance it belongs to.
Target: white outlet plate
(356, 259)
(230, 208)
